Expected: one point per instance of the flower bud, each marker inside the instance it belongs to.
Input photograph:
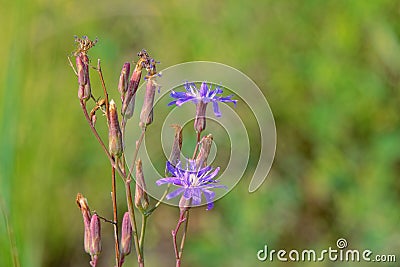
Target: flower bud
(114, 132)
(146, 115)
(175, 155)
(141, 197)
(200, 120)
(124, 79)
(95, 238)
(84, 207)
(128, 103)
(126, 236)
(82, 65)
(205, 143)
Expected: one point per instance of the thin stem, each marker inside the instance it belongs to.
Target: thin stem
(114, 201)
(142, 233)
(135, 154)
(103, 84)
(131, 211)
(11, 237)
(197, 145)
(96, 134)
(182, 219)
(184, 234)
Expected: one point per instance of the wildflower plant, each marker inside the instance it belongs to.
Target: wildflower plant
(191, 180)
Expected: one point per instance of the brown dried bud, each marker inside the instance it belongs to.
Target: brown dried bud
(200, 120)
(141, 197)
(82, 65)
(84, 207)
(126, 236)
(114, 132)
(95, 238)
(124, 79)
(175, 155)
(146, 115)
(205, 143)
(128, 103)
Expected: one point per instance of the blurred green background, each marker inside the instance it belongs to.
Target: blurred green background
(329, 69)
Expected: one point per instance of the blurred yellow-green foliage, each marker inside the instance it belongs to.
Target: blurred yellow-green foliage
(329, 69)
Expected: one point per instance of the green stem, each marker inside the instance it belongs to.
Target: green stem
(142, 233)
(115, 216)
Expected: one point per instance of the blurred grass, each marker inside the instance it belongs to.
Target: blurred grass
(329, 69)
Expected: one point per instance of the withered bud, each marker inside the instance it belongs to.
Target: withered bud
(124, 79)
(84, 207)
(114, 132)
(141, 197)
(146, 115)
(205, 147)
(82, 65)
(200, 120)
(128, 103)
(126, 236)
(175, 155)
(95, 238)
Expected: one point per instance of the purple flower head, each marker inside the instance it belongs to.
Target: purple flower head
(192, 182)
(205, 94)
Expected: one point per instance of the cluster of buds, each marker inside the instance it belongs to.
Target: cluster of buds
(128, 87)
(92, 232)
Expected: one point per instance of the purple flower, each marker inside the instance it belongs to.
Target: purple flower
(205, 94)
(192, 182)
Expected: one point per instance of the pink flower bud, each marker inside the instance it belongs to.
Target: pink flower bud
(82, 65)
(114, 132)
(84, 207)
(95, 236)
(175, 155)
(128, 103)
(141, 197)
(146, 115)
(124, 79)
(126, 236)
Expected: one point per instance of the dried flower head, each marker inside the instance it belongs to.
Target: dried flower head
(205, 147)
(192, 182)
(83, 44)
